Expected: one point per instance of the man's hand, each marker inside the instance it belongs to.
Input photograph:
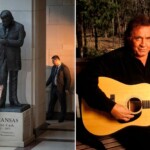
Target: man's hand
(121, 113)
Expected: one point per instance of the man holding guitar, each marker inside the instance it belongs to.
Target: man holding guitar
(129, 65)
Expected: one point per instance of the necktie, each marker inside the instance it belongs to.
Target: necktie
(55, 76)
(5, 33)
(56, 69)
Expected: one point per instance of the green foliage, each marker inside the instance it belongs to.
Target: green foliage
(105, 12)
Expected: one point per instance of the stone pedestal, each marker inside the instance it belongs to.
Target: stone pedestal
(16, 126)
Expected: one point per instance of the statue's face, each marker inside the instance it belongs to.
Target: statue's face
(6, 20)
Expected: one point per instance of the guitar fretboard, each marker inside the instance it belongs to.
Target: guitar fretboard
(146, 104)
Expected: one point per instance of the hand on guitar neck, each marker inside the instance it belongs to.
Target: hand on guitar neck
(120, 112)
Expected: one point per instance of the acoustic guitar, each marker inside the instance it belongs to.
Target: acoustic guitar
(135, 97)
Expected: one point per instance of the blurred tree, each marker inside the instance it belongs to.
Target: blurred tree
(101, 13)
(105, 18)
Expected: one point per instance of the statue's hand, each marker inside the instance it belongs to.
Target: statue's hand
(67, 91)
(3, 41)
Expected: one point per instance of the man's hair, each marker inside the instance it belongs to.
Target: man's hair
(55, 57)
(6, 13)
(140, 20)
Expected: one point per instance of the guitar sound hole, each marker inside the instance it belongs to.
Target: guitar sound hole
(134, 104)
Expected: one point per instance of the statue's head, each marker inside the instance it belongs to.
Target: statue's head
(6, 17)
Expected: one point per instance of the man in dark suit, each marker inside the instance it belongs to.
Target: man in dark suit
(60, 79)
(12, 36)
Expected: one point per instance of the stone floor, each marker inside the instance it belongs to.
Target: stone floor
(58, 136)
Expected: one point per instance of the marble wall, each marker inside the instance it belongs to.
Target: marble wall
(39, 55)
(60, 39)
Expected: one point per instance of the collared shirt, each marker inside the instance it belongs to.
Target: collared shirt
(120, 65)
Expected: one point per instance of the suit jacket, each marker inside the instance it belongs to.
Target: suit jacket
(15, 39)
(63, 78)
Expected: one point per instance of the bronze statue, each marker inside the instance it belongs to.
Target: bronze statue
(12, 36)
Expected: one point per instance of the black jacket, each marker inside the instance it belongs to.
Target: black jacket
(63, 78)
(120, 65)
(15, 39)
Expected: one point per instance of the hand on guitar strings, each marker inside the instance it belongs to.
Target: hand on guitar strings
(120, 112)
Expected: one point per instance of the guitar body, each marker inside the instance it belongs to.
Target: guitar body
(101, 123)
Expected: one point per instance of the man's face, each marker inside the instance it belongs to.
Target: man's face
(140, 40)
(56, 62)
(6, 20)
